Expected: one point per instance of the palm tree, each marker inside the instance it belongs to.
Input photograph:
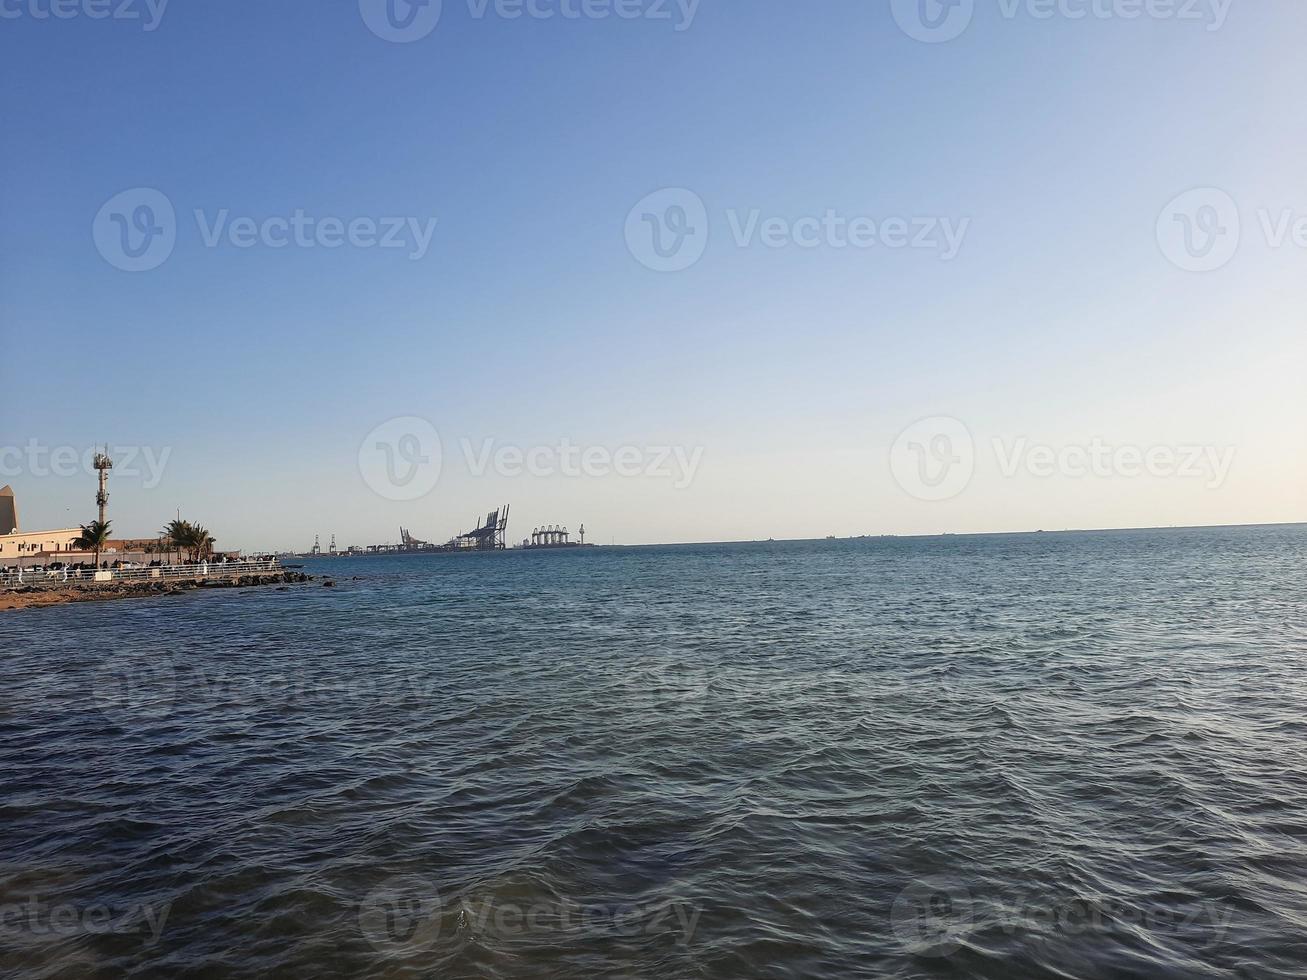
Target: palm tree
(193, 538)
(94, 537)
(179, 534)
(201, 541)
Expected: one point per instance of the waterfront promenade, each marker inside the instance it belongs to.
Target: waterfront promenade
(190, 571)
(27, 588)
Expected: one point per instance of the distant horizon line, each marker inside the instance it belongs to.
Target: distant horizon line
(857, 537)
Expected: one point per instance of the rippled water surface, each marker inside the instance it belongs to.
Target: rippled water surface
(1070, 755)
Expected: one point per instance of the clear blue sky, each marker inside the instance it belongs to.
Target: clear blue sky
(529, 320)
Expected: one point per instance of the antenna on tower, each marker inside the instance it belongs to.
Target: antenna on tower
(103, 464)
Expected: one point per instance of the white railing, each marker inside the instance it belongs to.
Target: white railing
(56, 577)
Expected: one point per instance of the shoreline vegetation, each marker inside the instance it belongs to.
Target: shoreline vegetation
(40, 596)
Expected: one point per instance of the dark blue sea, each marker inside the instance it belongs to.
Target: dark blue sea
(1058, 755)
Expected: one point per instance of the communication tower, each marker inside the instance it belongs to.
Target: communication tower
(103, 464)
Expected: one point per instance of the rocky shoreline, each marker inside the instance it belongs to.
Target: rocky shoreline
(35, 597)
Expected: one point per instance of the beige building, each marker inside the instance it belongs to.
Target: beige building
(31, 543)
(42, 547)
(28, 544)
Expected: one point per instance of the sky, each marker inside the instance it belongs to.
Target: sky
(679, 271)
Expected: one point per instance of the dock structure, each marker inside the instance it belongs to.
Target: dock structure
(490, 534)
(487, 536)
(553, 536)
(409, 543)
(550, 537)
